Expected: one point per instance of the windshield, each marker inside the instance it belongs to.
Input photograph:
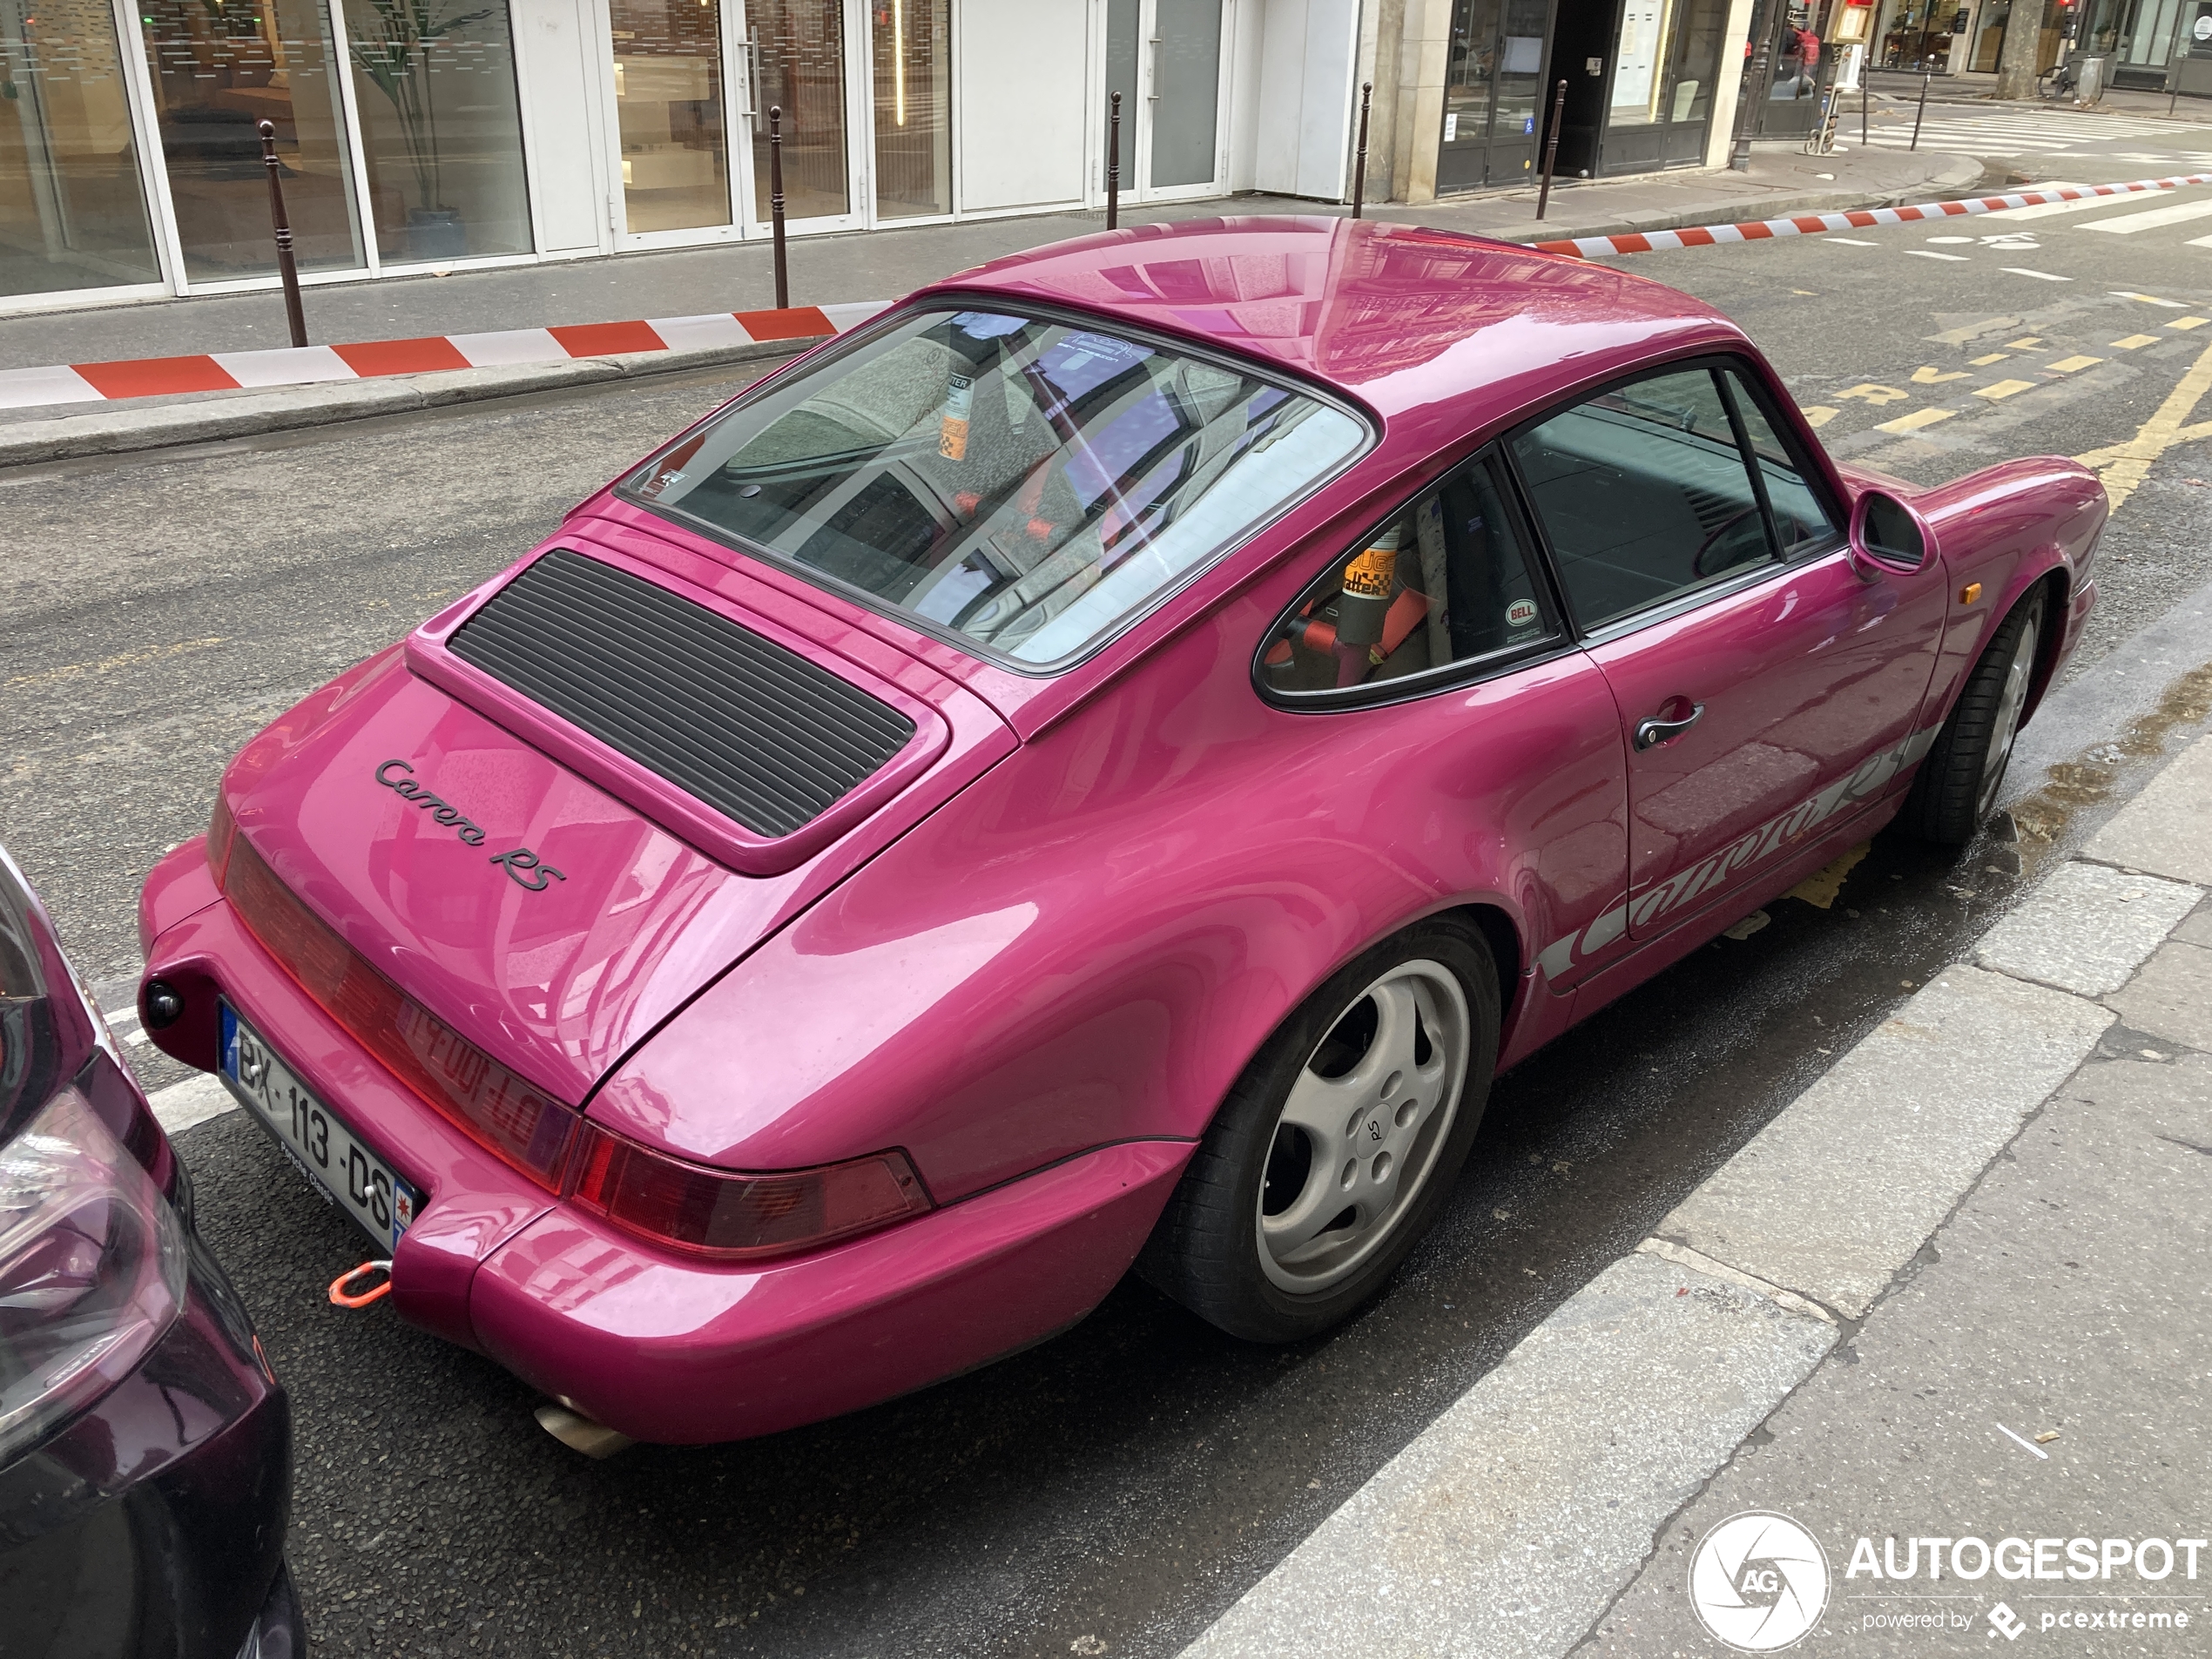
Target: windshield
(1029, 484)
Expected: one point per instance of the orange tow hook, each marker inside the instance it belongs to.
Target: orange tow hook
(346, 1298)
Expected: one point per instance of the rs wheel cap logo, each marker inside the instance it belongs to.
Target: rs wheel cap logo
(1759, 1582)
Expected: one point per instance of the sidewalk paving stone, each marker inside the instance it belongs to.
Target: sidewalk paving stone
(2164, 830)
(2172, 997)
(2087, 928)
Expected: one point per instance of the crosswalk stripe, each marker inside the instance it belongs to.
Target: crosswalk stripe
(2128, 223)
(2047, 209)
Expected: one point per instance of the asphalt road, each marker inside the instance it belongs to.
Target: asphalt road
(1112, 1490)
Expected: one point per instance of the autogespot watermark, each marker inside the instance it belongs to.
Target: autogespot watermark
(1760, 1583)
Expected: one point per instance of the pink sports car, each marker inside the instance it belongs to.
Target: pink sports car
(1098, 767)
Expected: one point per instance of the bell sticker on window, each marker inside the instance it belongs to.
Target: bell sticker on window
(1521, 613)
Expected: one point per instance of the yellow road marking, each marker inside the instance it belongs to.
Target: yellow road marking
(129, 659)
(2005, 389)
(2028, 344)
(2189, 322)
(1818, 416)
(2067, 365)
(1824, 886)
(1931, 377)
(1875, 394)
(2147, 299)
(2124, 466)
(1972, 330)
(1994, 357)
(2133, 341)
(1915, 420)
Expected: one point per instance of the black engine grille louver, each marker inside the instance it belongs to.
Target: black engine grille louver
(757, 732)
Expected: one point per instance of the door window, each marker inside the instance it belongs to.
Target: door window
(1646, 493)
(799, 49)
(1447, 581)
(913, 126)
(668, 102)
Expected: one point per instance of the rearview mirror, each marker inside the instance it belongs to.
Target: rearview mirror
(1888, 530)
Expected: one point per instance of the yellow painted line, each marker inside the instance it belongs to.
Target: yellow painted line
(2029, 344)
(1994, 357)
(1875, 394)
(1931, 377)
(2124, 466)
(2067, 365)
(2189, 322)
(1819, 414)
(107, 665)
(1975, 330)
(2135, 341)
(2147, 299)
(2005, 389)
(1917, 419)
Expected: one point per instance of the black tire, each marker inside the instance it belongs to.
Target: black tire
(1958, 782)
(1206, 1251)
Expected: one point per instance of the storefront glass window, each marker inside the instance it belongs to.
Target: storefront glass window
(913, 125)
(73, 212)
(668, 97)
(435, 83)
(800, 45)
(219, 68)
(1667, 58)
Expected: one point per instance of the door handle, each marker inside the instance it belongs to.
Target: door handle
(1652, 730)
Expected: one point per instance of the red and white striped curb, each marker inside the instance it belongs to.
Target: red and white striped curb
(230, 371)
(1813, 224)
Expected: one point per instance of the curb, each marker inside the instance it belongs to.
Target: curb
(1512, 1525)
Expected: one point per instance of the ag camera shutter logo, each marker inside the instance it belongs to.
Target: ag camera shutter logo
(1758, 1581)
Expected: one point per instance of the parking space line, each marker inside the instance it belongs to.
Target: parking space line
(1915, 420)
(2135, 342)
(2069, 365)
(2005, 388)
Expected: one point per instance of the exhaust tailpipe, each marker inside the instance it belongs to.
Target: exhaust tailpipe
(580, 1433)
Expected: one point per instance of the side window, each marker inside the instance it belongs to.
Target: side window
(1800, 518)
(1644, 494)
(1448, 580)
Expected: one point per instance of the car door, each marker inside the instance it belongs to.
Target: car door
(1768, 677)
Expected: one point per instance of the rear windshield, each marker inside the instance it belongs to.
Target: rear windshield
(1032, 485)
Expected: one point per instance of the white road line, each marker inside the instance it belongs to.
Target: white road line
(2128, 223)
(1923, 253)
(2198, 241)
(2046, 210)
(194, 1101)
(2021, 270)
(1852, 241)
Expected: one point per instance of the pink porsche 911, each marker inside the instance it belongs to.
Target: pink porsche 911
(1098, 767)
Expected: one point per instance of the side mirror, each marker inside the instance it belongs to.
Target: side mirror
(1886, 531)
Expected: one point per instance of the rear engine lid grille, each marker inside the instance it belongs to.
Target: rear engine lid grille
(765, 737)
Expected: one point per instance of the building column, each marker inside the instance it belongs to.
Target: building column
(1417, 124)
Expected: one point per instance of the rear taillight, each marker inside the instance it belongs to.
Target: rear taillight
(222, 829)
(719, 1213)
(733, 1217)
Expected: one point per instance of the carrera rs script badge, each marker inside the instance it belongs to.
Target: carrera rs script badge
(522, 866)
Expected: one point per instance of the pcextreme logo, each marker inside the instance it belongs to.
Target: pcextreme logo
(1758, 1581)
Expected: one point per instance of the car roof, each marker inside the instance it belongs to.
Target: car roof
(1404, 319)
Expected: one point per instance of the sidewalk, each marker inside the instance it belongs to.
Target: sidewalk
(1903, 85)
(883, 265)
(1953, 1297)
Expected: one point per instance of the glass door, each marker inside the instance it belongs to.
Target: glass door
(1164, 58)
(796, 49)
(671, 103)
(218, 70)
(913, 68)
(72, 210)
(1493, 94)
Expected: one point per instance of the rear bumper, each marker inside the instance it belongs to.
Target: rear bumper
(661, 1346)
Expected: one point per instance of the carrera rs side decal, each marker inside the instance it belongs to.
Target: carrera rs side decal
(1753, 846)
(523, 867)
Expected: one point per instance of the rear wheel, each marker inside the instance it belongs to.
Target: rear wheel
(1336, 1148)
(1957, 788)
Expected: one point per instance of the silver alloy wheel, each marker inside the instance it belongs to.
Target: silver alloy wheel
(2005, 730)
(1360, 1131)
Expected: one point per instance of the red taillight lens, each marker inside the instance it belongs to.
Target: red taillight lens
(734, 1217)
(496, 1109)
(222, 829)
(717, 1213)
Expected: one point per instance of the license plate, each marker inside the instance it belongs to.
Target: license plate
(336, 1162)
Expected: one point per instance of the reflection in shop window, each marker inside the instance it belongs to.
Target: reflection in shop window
(72, 210)
(219, 68)
(1666, 58)
(435, 80)
(914, 128)
(800, 45)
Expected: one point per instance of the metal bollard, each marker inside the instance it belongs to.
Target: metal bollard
(1359, 153)
(1114, 165)
(1551, 150)
(287, 269)
(1863, 67)
(776, 202)
(1919, 114)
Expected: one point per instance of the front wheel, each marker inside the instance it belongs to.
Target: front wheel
(1957, 788)
(1337, 1146)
